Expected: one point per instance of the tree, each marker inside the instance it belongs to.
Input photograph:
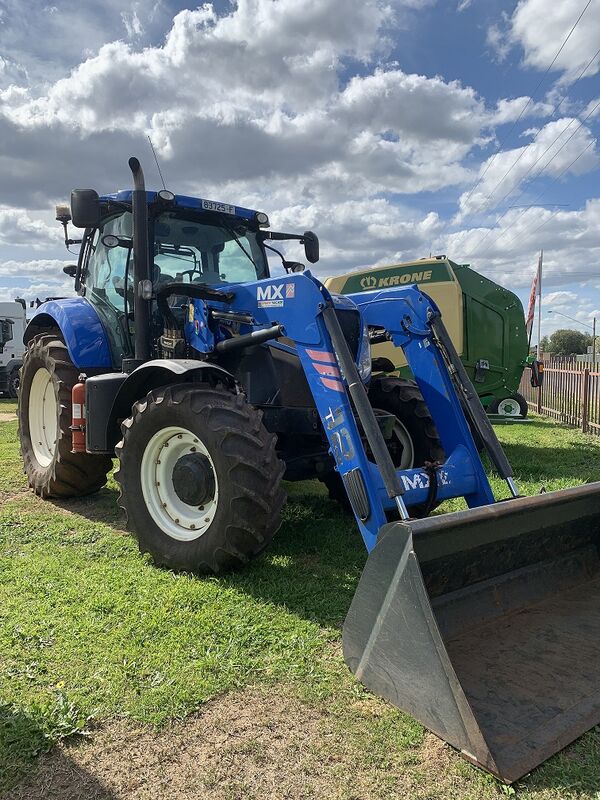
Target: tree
(545, 344)
(566, 342)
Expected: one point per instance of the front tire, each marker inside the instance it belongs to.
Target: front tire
(403, 398)
(415, 439)
(44, 413)
(200, 479)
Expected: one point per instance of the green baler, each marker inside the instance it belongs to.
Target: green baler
(485, 321)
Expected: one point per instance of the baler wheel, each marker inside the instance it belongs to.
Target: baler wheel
(200, 478)
(44, 411)
(514, 405)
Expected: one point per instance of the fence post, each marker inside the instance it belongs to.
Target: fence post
(585, 400)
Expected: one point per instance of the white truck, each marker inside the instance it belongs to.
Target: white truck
(12, 326)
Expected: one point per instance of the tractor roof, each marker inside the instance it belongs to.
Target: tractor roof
(196, 203)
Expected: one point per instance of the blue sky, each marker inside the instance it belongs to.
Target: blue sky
(388, 126)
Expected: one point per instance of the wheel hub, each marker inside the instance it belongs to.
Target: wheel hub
(194, 479)
(179, 483)
(509, 407)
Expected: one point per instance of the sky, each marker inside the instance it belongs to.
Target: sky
(392, 128)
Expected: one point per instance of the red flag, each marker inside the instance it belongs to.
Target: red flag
(531, 307)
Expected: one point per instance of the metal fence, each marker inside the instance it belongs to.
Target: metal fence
(570, 393)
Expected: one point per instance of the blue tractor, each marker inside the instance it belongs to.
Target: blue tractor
(212, 381)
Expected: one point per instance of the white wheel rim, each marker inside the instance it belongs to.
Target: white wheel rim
(43, 417)
(509, 407)
(407, 458)
(400, 432)
(177, 519)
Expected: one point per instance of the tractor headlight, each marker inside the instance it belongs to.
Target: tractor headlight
(364, 356)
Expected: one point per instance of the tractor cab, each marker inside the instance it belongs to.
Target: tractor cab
(190, 241)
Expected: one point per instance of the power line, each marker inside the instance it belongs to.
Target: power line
(543, 192)
(531, 97)
(525, 149)
(543, 153)
(527, 235)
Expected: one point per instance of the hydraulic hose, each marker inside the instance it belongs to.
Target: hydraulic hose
(199, 290)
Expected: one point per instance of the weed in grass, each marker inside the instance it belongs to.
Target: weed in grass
(25, 734)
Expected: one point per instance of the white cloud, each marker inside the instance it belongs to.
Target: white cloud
(552, 149)
(559, 298)
(497, 39)
(592, 110)
(509, 110)
(288, 118)
(508, 251)
(540, 28)
(17, 228)
(39, 278)
(253, 105)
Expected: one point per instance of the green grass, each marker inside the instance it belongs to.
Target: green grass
(90, 629)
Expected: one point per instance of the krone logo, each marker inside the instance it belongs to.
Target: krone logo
(368, 282)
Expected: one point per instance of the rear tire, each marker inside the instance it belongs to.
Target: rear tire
(44, 413)
(200, 478)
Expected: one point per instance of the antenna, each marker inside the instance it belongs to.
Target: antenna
(157, 164)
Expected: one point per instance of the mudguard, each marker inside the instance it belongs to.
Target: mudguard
(109, 397)
(81, 329)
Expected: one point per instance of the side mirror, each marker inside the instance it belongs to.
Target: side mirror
(293, 266)
(109, 241)
(311, 246)
(85, 208)
(70, 270)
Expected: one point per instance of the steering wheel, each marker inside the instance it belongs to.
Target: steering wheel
(189, 272)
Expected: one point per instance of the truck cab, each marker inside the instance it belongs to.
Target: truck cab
(12, 327)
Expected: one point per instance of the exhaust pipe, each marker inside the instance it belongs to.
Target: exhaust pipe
(141, 266)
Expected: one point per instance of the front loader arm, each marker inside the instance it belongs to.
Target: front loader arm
(305, 309)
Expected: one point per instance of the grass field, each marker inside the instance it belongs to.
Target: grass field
(95, 640)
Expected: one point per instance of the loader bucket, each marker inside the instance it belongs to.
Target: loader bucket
(485, 626)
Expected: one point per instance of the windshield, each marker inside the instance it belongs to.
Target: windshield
(188, 249)
(6, 334)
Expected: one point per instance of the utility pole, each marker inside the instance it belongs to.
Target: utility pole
(539, 340)
(594, 345)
